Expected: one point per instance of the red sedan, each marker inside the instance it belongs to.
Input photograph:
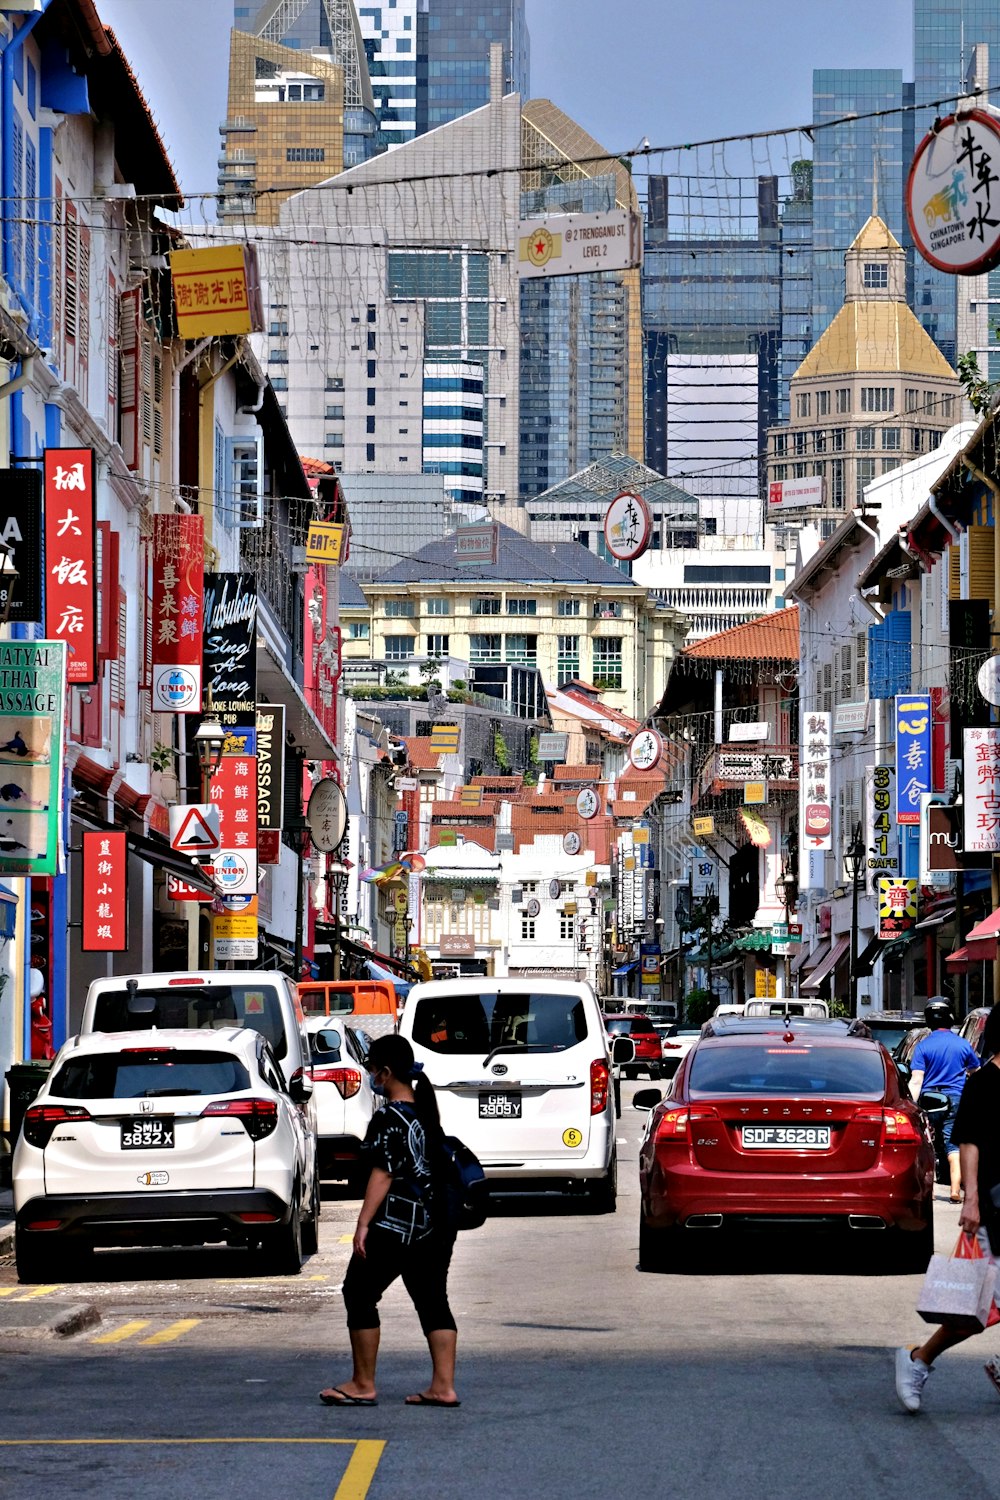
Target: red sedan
(648, 1047)
(785, 1129)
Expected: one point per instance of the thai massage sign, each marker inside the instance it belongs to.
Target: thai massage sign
(953, 194)
(230, 650)
(913, 754)
(32, 694)
(70, 571)
(178, 612)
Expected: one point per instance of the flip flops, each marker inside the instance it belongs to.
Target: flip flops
(337, 1397)
(421, 1400)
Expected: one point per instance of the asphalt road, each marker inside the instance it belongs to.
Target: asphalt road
(766, 1375)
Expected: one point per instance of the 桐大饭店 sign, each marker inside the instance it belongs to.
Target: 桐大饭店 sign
(32, 695)
(953, 194)
(70, 559)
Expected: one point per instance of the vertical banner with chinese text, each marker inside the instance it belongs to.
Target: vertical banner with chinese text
(981, 790)
(104, 901)
(913, 754)
(70, 562)
(234, 792)
(178, 613)
(817, 816)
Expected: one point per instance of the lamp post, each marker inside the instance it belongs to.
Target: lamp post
(784, 885)
(336, 874)
(854, 861)
(209, 739)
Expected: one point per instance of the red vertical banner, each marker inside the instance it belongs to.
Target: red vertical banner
(70, 559)
(234, 793)
(940, 726)
(105, 893)
(178, 613)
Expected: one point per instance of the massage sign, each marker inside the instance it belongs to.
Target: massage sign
(70, 572)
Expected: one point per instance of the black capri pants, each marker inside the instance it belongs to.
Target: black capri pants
(423, 1267)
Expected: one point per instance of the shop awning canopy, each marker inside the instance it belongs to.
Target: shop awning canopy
(823, 970)
(758, 941)
(866, 960)
(982, 938)
(156, 852)
(809, 961)
(624, 969)
(958, 962)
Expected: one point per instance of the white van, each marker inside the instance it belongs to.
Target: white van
(522, 1071)
(813, 1010)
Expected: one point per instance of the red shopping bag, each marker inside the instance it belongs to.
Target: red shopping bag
(969, 1248)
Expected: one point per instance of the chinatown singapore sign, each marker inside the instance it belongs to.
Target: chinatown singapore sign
(953, 194)
(627, 526)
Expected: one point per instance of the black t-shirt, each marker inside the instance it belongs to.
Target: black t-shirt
(977, 1123)
(396, 1142)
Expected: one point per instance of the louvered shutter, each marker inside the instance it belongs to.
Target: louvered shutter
(112, 353)
(981, 565)
(954, 571)
(129, 393)
(83, 316)
(71, 292)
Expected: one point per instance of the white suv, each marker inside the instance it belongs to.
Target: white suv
(164, 1138)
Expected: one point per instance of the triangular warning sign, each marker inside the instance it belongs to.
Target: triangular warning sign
(195, 829)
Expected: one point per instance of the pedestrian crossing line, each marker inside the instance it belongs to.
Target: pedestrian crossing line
(175, 1331)
(40, 1291)
(126, 1331)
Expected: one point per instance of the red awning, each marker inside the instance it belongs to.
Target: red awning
(823, 970)
(958, 962)
(982, 939)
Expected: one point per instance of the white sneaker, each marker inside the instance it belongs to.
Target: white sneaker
(911, 1377)
(992, 1368)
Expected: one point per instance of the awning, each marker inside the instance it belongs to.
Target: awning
(624, 969)
(275, 685)
(982, 938)
(801, 959)
(156, 852)
(758, 941)
(865, 962)
(814, 957)
(937, 919)
(400, 985)
(958, 962)
(823, 970)
(367, 955)
(896, 947)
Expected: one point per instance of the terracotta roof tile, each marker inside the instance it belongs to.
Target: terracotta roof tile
(773, 637)
(421, 756)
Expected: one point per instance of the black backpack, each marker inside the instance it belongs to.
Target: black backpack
(464, 1183)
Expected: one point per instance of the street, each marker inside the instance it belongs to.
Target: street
(579, 1376)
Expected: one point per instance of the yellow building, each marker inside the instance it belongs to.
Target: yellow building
(874, 392)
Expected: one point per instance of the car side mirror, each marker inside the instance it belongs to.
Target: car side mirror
(327, 1040)
(646, 1099)
(299, 1087)
(905, 1074)
(622, 1050)
(936, 1106)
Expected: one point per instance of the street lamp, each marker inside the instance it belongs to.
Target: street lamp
(209, 739)
(336, 874)
(854, 862)
(785, 885)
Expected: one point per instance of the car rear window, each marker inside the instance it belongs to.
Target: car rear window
(187, 1006)
(780, 1068)
(541, 1020)
(341, 1003)
(149, 1075)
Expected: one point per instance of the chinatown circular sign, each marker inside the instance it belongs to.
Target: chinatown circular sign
(326, 815)
(571, 842)
(627, 526)
(645, 749)
(533, 907)
(588, 803)
(953, 194)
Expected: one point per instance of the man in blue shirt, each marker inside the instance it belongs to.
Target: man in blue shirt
(942, 1061)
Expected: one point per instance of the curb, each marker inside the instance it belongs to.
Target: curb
(6, 1239)
(75, 1320)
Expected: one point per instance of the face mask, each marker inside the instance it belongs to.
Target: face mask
(378, 1089)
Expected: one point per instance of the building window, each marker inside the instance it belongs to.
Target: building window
(876, 274)
(486, 604)
(568, 661)
(838, 439)
(305, 153)
(888, 464)
(819, 441)
(865, 473)
(843, 401)
(608, 661)
(369, 453)
(864, 438)
(780, 444)
(567, 607)
(567, 926)
(912, 399)
(822, 403)
(781, 471)
(399, 609)
(358, 630)
(803, 404)
(484, 648)
(522, 648)
(333, 439)
(398, 647)
(918, 440)
(335, 382)
(437, 606)
(944, 406)
(798, 471)
(878, 398)
(837, 483)
(890, 437)
(335, 414)
(799, 443)
(527, 929)
(437, 645)
(522, 606)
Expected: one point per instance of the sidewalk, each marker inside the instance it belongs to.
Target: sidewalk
(6, 1222)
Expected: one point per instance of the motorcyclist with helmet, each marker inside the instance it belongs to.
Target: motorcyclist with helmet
(942, 1061)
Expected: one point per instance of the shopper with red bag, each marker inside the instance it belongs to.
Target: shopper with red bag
(976, 1132)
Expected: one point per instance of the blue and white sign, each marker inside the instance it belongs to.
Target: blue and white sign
(913, 755)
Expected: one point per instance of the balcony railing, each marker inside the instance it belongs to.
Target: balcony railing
(731, 766)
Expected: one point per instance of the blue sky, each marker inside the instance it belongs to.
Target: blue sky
(623, 69)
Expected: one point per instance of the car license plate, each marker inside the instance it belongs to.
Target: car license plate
(505, 1106)
(148, 1135)
(786, 1137)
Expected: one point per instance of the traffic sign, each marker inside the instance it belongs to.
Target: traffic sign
(194, 829)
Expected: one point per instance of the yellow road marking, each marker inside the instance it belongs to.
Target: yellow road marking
(175, 1331)
(354, 1485)
(8, 1291)
(124, 1332)
(40, 1291)
(345, 1239)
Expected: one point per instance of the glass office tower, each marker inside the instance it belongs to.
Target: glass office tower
(453, 62)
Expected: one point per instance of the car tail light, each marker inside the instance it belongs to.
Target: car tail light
(897, 1126)
(41, 1119)
(599, 1077)
(347, 1080)
(255, 1218)
(673, 1126)
(671, 1046)
(187, 979)
(258, 1116)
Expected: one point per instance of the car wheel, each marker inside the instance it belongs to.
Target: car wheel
(604, 1191)
(282, 1250)
(35, 1259)
(310, 1229)
(659, 1249)
(910, 1250)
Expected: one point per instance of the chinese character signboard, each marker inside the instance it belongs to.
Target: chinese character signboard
(33, 682)
(21, 531)
(215, 291)
(817, 817)
(981, 791)
(270, 765)
(628, 525)
(897, 907)
(953, 194)
(913, 754)
(881, 838)
(178, 612)
(70, 570)
(234, 793)
(104, 902)
(477, 544)
(645, 749)
(230, 650)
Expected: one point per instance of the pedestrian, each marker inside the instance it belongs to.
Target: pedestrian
(402, 1230)
(976, 1133)
(942, 1061)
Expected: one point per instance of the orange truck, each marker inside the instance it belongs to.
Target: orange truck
(370, 1001)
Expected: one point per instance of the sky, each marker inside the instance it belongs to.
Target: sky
(670, 70)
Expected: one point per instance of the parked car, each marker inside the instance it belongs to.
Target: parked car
(793, 1005)
(675, 1045)
(803, 1127)
(904, 1049)
(973, 1026)
(165, 1137)
(648, 1047)
(375, 1000)
(522, 1070)
(890, 1026)
(342, 1094)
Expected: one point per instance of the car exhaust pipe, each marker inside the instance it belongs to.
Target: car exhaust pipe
(865, 1221)
(703, 1221)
